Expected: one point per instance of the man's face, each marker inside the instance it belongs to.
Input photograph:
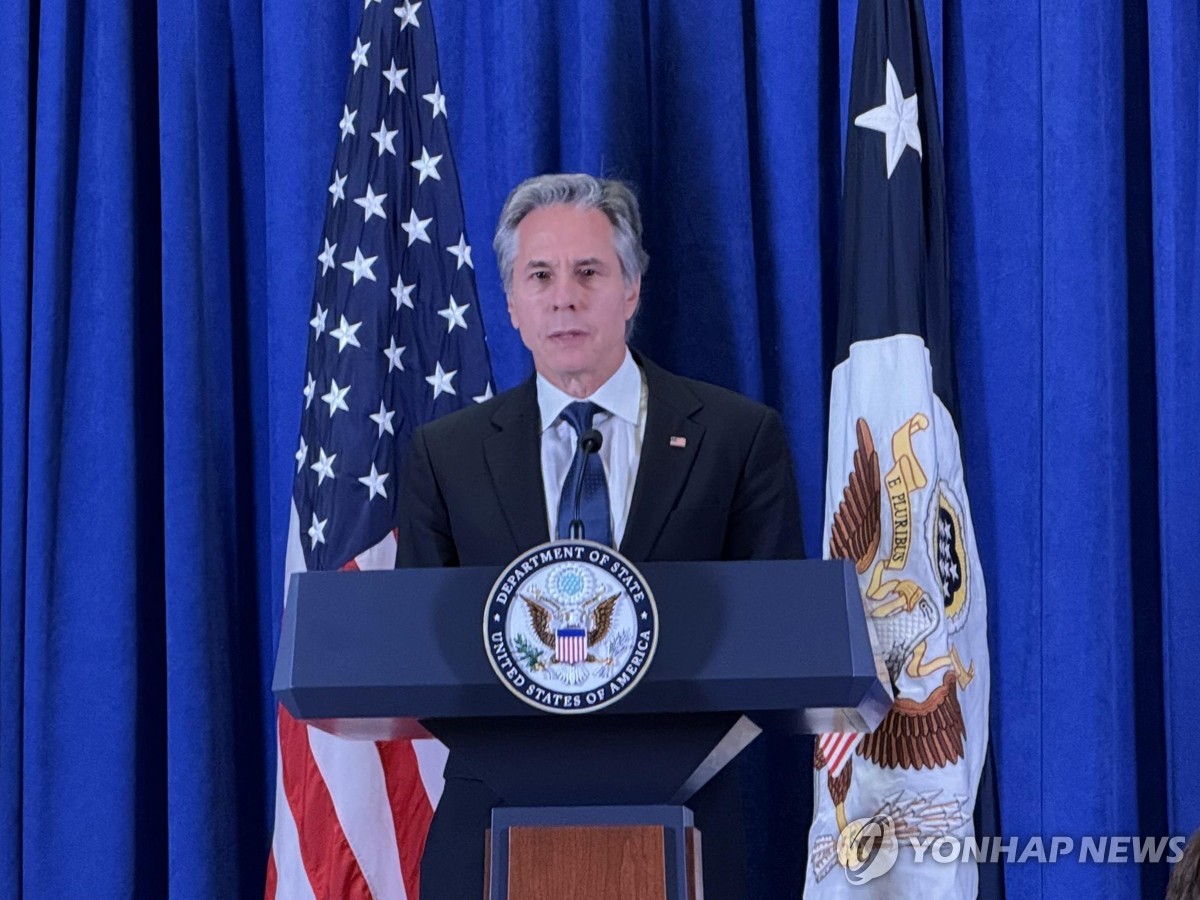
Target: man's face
(568, 298)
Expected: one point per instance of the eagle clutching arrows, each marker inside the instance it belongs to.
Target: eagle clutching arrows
(548, 616)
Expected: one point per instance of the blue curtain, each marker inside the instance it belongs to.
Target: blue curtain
(163, 179)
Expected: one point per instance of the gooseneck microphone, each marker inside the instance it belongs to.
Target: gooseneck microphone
(590, 441)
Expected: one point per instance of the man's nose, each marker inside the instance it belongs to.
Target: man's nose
(564, 295)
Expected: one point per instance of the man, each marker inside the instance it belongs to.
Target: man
(689, 471)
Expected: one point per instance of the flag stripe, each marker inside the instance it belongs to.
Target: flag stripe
(411, 808)
(332, 868)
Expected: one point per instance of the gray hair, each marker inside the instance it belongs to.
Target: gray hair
(613, 198)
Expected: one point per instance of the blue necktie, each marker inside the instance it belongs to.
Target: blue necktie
(593, 501)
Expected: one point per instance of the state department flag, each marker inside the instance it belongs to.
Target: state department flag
(395, 339)
(895, 500)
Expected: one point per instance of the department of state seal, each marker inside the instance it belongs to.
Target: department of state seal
(570, 626)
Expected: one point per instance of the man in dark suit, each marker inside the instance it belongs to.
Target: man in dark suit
(686, 470)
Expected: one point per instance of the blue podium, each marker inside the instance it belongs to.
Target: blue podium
(743, 646)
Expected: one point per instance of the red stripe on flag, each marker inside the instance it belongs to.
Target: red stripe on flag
(272, 878)
(332, 869)
(411, 809)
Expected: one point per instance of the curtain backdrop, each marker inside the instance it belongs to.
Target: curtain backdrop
(162, 182)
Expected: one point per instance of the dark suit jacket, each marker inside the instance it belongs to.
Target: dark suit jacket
(473, 495)
(472, 491)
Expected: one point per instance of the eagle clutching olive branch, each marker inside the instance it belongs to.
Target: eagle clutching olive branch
(594, 615)
(914, 734)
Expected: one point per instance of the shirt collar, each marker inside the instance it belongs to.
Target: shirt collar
(621, 395)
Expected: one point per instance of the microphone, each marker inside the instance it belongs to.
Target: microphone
(590, 441)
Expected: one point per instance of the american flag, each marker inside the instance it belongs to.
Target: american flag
(396, 339)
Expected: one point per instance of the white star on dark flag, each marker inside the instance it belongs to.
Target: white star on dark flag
(896, 118)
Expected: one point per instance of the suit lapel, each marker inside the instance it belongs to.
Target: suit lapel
(518, 483)
(664, 467)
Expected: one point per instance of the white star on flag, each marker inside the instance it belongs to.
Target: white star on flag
(485, 396)
(360, 54)
(408, 14)
(403, 292)
(374, 483)
(393, 355)
(453, 314)
(427, 166)
(372, 204)
(301, 454)
(896, 119)
(310, 390)
(316, 531)
(338, 187)
(437, 100)
(361, 265)
(415, 227)
(326, 258)
(384, 138)
(383, 419)
(344, 334)
(324, 466)
(440, 380)
(318, 321)
(347, 123)
(462, 250)
(395, 78)
(336, 398)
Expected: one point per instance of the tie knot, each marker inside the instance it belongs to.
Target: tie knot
(579, 415)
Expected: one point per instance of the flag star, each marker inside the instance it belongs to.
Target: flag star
(347, 123)
(310, 390)
(336, 398)
(338, 187)
(437, 100)
(318, 321)
(393, 355)
(403, 293)
(372, 204)
(360, 54)
(323, 466)
(301, 454)
(415, 227)
(326, 257)
(462, 250)
(345, 334)
(361, 266)
(440, 380)
(896, 119)
(408, 14)
(395, 78)
(384, 138)
(427, 166)
(383, 419)
(485, 396)
(374, 483)
(453, 314)
(316, 532)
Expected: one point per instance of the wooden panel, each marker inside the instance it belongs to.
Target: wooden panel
(693, 850)
(599, 862)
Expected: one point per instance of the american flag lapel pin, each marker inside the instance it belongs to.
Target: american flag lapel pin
(677, 441)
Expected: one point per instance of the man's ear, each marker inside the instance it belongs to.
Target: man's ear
(632, 297)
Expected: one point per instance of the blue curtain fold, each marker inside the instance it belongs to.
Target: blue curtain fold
(164, 179)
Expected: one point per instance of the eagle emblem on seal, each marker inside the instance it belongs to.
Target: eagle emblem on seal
(571, 631)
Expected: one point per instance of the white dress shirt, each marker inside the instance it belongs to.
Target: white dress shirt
(622, 424)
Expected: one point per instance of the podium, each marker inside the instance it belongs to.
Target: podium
(743, 646)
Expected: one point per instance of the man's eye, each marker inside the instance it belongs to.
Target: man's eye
(540, 275)
(587, 273)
